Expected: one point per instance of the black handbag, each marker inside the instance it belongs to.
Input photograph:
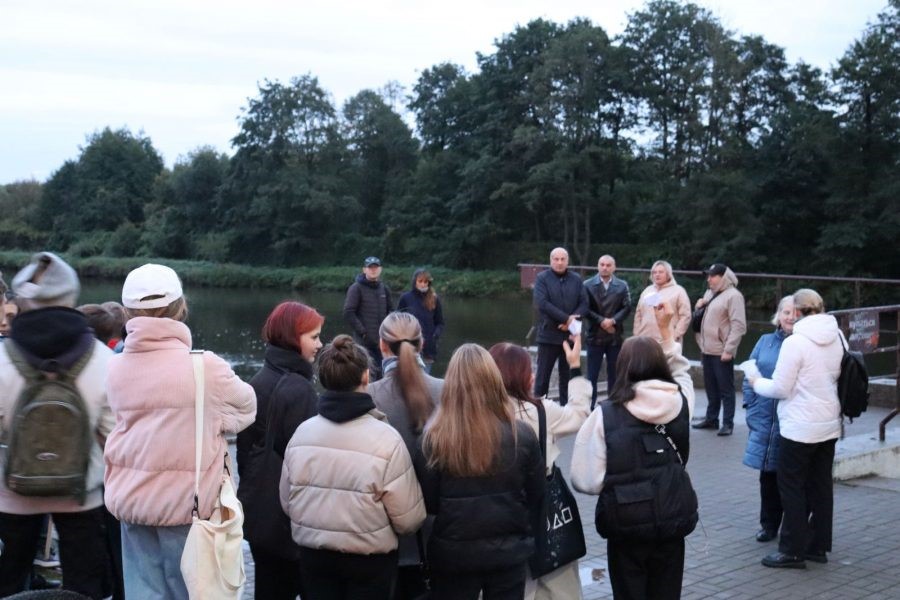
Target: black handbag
(265, 523)
(697, 315)
(558, 536)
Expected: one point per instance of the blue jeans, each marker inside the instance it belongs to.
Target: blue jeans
(151, 561)
(718, 377)
(595, 356)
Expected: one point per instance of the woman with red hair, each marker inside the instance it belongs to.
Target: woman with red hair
(285, 398)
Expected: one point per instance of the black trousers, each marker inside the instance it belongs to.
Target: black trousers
(718, 377)
(595, 356)
(547, 355)
(770, 510)
(275, 578)
(329, 575)
(113, 532)
(807, 495)
(82, 551)
(502, 584)
(646, 570)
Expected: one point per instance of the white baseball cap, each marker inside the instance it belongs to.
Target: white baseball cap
(151, 286)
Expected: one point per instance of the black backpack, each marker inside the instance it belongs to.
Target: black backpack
(853, 383)
(49, 443)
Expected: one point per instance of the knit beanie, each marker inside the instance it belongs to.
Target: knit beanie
(47, 281)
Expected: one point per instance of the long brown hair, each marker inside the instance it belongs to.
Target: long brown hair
(464, 437)
(514, 363)
(403, 335)
(641, 358)
(430, 299)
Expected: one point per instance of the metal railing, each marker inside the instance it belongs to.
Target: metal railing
(528, 272)
(861, 326)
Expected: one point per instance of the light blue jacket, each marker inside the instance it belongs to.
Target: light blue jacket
(762, 418)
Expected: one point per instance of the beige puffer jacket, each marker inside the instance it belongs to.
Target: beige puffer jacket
(350, 487)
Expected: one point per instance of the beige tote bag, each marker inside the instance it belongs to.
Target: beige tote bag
(212, 563)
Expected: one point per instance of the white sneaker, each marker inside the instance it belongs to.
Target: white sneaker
(48, 561)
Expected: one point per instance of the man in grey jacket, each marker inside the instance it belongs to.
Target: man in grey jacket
(367, 303)
(724, 324)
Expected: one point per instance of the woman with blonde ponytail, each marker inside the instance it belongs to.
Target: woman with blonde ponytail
(407, 396)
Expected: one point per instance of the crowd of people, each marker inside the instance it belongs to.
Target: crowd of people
(390, 483)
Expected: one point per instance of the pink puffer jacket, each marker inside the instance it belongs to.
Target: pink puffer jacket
(150, 453)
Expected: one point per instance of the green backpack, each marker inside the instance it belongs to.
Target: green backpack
(48, 447)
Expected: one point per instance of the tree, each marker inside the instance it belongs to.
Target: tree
(184, 205)
(864, 208)
(285, 193)
(382, 155)
(107, 186)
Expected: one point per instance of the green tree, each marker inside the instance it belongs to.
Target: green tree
(107, 186)
(864, 208)
(184, 204)
(285, 193)
(382, 155)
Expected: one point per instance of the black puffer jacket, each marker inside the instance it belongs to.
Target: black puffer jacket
(366, 305)
(293, 402)
(484, 523)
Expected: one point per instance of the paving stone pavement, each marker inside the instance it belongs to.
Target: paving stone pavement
(722, 558)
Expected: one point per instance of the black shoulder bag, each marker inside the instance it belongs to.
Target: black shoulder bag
(558, 536)
(697, 315)
(265, 523)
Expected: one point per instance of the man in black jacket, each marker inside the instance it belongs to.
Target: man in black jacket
(610, 304)
(560, 300)
(367, 303)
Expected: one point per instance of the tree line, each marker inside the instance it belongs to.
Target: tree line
(677, 139)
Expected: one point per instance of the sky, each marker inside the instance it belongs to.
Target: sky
(180, 71)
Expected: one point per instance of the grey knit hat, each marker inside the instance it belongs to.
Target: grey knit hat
(47, 281)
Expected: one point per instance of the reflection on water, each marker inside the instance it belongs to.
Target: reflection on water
(228, 321)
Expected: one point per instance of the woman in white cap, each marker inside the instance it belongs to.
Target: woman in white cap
(150, 452)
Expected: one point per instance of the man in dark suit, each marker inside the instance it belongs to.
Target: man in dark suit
(610, 304)
(559, 299)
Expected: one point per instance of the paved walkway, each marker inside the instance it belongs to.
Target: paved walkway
(723, 558)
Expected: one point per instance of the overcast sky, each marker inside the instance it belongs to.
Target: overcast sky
(181, 70)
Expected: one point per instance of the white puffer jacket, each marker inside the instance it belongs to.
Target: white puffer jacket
(350, 487)
(805, 379)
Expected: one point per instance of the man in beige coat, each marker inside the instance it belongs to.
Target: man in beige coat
(724, 324)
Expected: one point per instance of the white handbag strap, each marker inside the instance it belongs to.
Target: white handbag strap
(197, 359)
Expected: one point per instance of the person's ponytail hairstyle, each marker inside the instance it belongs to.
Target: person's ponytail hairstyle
(808, 302)
(342, 364)
(403, 335)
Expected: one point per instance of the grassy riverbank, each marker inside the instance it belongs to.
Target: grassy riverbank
(475, 284)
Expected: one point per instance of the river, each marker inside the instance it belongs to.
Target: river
(228, 321)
